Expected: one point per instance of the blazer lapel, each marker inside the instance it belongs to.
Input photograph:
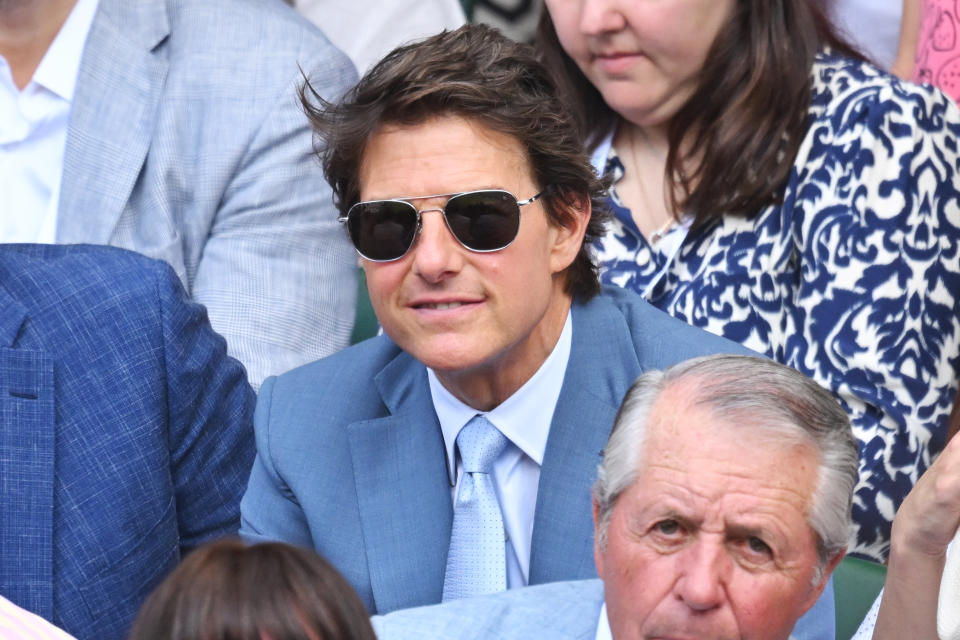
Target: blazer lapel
(112, 117)
(403, 491)
(27, 442)
(602, 366)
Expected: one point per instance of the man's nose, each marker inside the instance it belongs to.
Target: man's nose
(705, 570)
(600, 16)
(436, 254)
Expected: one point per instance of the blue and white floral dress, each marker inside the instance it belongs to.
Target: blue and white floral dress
(854, 280)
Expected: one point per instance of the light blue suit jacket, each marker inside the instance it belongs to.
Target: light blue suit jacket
(559, 611)
(125, 433)
(186, 143)
(351, 458)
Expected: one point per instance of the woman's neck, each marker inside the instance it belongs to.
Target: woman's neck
(643, 189)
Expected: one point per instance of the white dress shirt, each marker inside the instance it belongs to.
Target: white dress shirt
(603, 626)
(524, 418)
(18, 624)
(33, 133)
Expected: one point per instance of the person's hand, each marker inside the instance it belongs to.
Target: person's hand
(924, 526)
(930, 515)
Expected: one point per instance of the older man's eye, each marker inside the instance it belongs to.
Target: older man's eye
(758, 546)
(667, 527)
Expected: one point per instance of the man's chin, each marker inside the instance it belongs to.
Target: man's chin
(672, 631)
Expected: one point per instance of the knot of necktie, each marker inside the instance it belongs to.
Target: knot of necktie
(480, 444)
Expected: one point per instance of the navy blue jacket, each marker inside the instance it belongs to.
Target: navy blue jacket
(125, 432)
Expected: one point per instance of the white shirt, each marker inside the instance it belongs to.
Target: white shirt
(603, 626)
(524, 418)
(33, 133)
(18, 624)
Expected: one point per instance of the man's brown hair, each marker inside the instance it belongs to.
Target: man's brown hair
(475, 73)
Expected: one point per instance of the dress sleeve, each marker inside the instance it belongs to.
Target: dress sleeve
(880, 280)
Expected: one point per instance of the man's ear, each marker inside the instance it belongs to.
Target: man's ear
(597, 551)
(568, 237)
(818, 588)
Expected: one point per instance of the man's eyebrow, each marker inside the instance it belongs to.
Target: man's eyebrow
(662, 508)
(741, 530)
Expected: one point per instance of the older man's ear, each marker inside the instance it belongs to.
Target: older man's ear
(821, 584)
(597, 551)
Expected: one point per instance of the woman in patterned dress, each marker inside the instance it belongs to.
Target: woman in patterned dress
(770, 186)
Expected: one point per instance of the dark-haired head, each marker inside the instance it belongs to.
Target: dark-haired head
(478, 74)
(228, 590)
(734, 138)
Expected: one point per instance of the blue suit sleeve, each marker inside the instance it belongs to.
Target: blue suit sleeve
(269, 509)
(210, 408)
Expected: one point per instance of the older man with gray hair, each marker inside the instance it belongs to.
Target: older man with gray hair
(722, 504)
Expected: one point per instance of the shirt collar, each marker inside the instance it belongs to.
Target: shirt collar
(60, 65)
(603, 626)
(524, 418)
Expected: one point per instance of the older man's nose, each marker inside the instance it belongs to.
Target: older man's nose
(705, 569)
(437, 254)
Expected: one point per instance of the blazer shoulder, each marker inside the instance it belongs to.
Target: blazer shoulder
(662, 340)
(269, 37)
(343, 380)
(93, 273)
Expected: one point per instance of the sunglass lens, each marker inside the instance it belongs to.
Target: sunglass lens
(382, 230)
(484, 220)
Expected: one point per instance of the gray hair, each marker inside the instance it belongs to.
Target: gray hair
(787, 403)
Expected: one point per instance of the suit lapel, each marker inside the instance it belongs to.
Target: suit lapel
(27, 440)
(112, 117)
(403, 492)
(602, 366)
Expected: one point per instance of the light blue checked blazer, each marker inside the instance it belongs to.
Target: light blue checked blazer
(125, 432)
(186, 143)
(559, 611)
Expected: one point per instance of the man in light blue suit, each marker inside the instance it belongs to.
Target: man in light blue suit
(172, 128)
(721, 507)
(125, 432)
(491, 306)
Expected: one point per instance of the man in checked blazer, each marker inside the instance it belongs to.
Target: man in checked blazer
(181, 138)
(125, 432)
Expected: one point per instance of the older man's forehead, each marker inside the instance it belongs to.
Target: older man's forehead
(696, 452)
(719, 500)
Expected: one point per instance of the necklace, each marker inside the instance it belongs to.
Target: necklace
(657, 234)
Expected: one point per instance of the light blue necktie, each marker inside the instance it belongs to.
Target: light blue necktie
(477, 562)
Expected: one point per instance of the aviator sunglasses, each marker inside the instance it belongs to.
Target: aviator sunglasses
(482, 221)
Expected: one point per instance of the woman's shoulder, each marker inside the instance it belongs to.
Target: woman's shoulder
(849, 95)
